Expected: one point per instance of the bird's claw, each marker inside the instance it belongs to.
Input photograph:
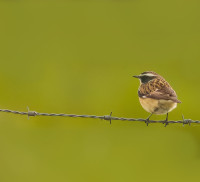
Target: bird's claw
(166, 123)
(147, 121)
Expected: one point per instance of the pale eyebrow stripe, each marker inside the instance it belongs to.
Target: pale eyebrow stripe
(147, 74)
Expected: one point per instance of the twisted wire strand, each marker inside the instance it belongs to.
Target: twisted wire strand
(105, 117)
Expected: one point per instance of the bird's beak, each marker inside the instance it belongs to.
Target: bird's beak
(136, 76)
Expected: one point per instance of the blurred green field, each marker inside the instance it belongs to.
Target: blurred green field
(79, 57)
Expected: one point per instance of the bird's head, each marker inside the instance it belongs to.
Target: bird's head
(146, 76)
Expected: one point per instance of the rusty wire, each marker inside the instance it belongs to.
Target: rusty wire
(105, 117)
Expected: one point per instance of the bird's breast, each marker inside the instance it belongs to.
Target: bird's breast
(157, 106)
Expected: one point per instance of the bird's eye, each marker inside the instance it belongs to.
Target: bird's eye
(145, 79)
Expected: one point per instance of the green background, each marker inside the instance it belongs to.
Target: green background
(79, 57)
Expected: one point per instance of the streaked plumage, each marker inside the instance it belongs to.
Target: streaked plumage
(155, 94)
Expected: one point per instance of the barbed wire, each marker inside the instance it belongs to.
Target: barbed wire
(105, 117)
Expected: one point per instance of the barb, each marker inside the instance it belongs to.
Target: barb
(105, 117)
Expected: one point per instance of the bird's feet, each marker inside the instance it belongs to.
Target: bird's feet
(147, 121)
(166, 121)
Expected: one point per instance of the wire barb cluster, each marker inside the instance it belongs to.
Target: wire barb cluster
(105, 117)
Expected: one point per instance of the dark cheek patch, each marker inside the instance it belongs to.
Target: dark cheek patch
(145, 79)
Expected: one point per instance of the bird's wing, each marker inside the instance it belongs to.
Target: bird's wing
(165, 93)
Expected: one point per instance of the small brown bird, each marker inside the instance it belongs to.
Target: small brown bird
(156, 95)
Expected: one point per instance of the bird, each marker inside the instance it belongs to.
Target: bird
(156, 96)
